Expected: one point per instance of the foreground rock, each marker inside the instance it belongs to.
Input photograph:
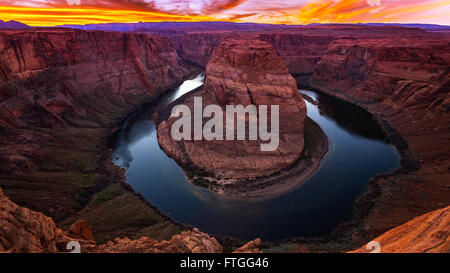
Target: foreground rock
(429, 233)
(250, 247)
(243, 71)
(187, 242)
(81, 230)
(24, 230)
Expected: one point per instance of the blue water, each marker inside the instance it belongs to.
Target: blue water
(357, 151)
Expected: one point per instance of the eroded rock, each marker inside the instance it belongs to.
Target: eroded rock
(187, 242)
(24, 230)
(428, 233)
(244, 71)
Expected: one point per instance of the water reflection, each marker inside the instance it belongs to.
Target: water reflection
(143, 127)
(350, 117)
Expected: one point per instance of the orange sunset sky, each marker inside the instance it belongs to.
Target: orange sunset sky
(58, 12)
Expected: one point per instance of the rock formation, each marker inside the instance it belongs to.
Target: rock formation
(428, 233)
(243, 71)
(24, 230)
(250, 247)
(81, 230)
(187, 242)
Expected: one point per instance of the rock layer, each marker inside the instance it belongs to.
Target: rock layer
(24, 230)
(243, 72)
(300, 48)
(428, 233)
(187, 242)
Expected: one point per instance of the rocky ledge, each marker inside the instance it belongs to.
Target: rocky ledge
(24, 230)
(244, 71)
(428, 233)
(27, 231)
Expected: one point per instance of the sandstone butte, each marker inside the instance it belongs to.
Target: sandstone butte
(243, 71)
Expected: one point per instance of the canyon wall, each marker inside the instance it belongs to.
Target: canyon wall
(47, 73)
(405, 83)
(62, 92)
(299, 51)
(301, 48)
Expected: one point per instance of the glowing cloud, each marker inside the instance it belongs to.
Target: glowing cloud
(56, 12)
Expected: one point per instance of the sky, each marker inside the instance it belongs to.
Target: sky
(58, 12)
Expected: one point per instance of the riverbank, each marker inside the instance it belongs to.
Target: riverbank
(282, 182)
(353, 232)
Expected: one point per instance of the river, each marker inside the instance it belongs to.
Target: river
(358, 150)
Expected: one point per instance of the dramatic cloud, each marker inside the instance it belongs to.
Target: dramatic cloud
(52, 12)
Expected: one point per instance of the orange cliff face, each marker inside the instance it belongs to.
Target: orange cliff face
(428, 233)
(244, 71)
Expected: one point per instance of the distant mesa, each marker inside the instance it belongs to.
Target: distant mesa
(12, 25)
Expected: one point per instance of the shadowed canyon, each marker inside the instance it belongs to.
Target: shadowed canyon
(86, 150)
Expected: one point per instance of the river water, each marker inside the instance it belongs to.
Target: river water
(358, 150)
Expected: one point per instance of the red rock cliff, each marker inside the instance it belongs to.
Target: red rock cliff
(300, 48)
(79, 84)
(406, 82)
(46, 73)
(428, 233)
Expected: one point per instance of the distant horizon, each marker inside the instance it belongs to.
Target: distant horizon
(218, 21)
(288, 12)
